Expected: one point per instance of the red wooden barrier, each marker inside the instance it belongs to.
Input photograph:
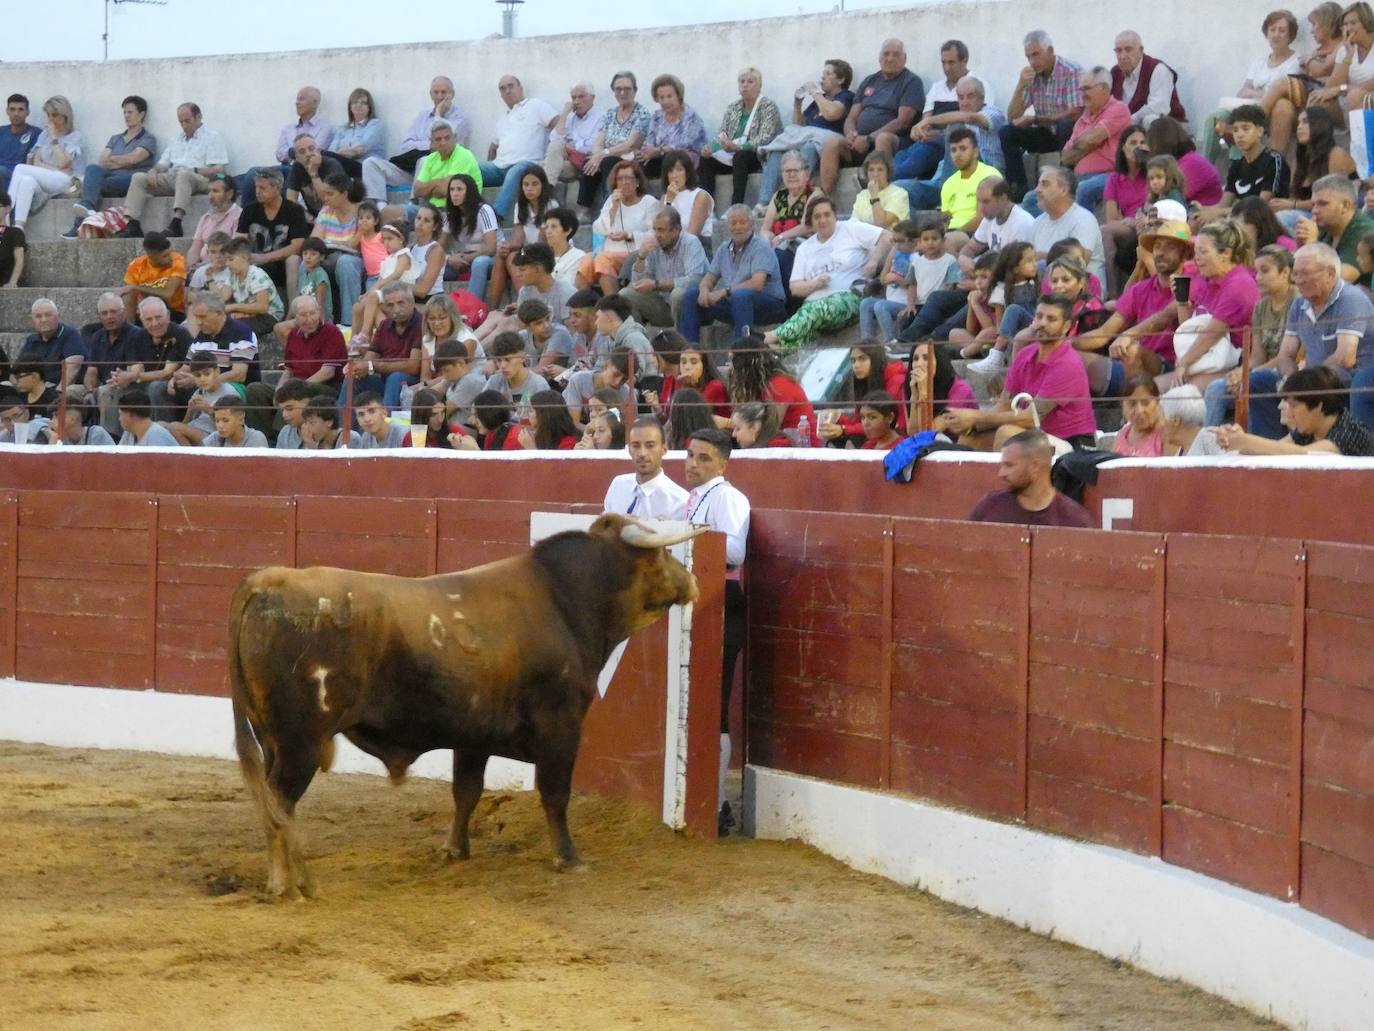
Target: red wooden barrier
(1094, 749)
(815, 643)
(1338, 742)
(1232, 691)
(958, 690)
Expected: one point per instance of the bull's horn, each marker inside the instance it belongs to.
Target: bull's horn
(637, 535)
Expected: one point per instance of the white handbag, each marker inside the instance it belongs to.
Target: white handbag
(1220, 357)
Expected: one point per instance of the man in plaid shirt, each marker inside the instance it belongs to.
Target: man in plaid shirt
(1049, 84)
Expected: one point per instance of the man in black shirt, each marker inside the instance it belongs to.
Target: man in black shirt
(1258, 171)
(114, 344)
(1316, 409)
(274, 227)
(167, 347)
(54, 345)
(310, 167)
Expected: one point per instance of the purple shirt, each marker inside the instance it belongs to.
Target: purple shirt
(317, 127)
(1201, 181)
(1129, 192)
(1138, 303)
(1060, 378)
(1232, 299)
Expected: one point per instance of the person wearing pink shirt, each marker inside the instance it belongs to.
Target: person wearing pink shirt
(223, 217)
(1091, 151)
(1051, 373)
(1220, 306)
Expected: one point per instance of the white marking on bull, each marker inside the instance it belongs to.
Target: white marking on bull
(437, 631)
(325, 606)
(320, 674)
(455, 596)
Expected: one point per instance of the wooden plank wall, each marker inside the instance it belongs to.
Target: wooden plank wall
(1338, 738)
(1231, 670)
(815, 647)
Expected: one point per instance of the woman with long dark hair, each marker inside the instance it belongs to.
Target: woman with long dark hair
(687, 412)
(1316, 155)
(427, 410)
(870, 369)
(757, 374)
(471, 228)
(1260, 223)
(551, 427)
(947, 390)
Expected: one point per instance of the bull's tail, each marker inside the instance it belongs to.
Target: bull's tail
(282, 839)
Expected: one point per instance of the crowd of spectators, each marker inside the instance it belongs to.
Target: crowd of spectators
(1074, 245)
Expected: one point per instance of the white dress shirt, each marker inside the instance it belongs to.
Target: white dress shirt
(523, 132)
(660, 498)
(721, 506)
(203, 148)
(579, 131)
(1160, 97)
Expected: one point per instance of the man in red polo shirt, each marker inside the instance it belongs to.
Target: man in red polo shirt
(315, 349)
(1051, 373)
(1091, 152)
(393, 355)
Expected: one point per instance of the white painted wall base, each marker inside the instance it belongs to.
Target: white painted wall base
(1271, 957)
(176, 724)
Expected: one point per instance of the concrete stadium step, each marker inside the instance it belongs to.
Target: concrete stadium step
(76, 305)
(55, 217)
(55, 263)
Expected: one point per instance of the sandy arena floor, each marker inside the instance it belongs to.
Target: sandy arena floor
(131, 898)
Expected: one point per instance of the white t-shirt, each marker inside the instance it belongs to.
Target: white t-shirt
(1080, 224)
(930, 276)
(1361, 72)
(1260, 75)
(1015, 229)
(565, 267)
(943, 93)
(523, 132)
(683, 204)
(842, 257)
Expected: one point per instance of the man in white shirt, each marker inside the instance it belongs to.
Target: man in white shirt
(1003, 222)
(574, 134)
(718, 504)
(522, 138)
(646, 493)
(399, 169)
(1061, 218)
(183, 170)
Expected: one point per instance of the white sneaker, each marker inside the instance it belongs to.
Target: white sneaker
(993, 362)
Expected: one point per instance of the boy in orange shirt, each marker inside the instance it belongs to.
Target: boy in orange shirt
(159, 272)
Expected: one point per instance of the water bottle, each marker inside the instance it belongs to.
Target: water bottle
(804, 432)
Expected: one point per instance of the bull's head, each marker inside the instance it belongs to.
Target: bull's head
(660, 580)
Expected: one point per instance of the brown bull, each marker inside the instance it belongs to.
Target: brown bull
(498, 660)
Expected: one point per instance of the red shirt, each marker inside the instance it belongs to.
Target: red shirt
(873, 445)
(394, 343)
(307, 355)
(1001, 506)
(786, 392)
(1141, 300)
(1061, 378)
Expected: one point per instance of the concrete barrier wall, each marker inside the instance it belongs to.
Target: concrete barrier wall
(248, 97)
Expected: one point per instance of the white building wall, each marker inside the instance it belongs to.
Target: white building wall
(249, 97)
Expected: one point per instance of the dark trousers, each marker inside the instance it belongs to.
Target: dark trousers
(942, 311)
(745, 162)
(734, 642)
(1037, 139)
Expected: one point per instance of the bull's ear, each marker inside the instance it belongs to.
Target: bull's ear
(640, 535)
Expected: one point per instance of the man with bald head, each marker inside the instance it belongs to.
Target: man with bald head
(1145, 84)
(54, 345)
(415, 147)
(886, 105)
(307, 123)
(574, 133)
(522, 138)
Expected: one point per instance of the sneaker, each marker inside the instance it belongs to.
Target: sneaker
(725, 820)
(133, 231)
(173, 229)
(994, 363)
(75, 230)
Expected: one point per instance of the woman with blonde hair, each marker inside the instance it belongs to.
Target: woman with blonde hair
(54, 166)
(362, 136)
(748, 124)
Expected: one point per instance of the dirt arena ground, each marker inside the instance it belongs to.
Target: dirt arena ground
(131, 898)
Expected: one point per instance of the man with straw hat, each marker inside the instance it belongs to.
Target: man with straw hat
(1140, 332)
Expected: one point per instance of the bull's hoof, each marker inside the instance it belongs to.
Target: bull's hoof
(447, 854)
(571, 866)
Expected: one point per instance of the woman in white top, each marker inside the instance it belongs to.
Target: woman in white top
(536, 197)
(683, 193)
(827, 265)
(472, 234)
(1353, 78)
(560, 226)
(426, 273)
(442, 322)
(1280, 32)
(625, 222)
(54, 165)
